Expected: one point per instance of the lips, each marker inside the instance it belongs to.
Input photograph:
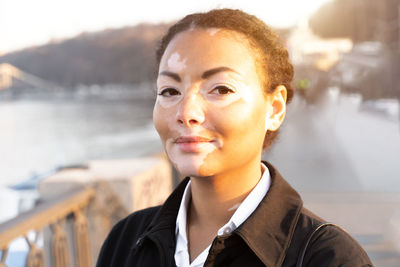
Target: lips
(192, 139)
(192, 144)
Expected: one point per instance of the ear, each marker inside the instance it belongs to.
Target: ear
(277, 111)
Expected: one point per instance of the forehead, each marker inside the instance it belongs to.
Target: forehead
(211, 47)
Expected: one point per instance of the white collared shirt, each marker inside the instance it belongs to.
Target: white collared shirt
(245, 209)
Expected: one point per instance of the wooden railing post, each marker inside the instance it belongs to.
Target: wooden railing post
(35, 257)
(4, 253)
(82, 244)
(59, 245)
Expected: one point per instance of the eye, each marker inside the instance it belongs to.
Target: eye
(222, 90)
(169, 92)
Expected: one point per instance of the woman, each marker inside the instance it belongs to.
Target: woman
(223, 85)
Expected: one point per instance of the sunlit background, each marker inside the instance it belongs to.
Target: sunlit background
(24, 23)
(77, 84)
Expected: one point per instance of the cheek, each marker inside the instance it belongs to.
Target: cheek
(167, 103)
(239, 137)
(161, 120)
(239, 121)
(229, 116)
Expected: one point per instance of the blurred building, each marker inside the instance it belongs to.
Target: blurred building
(360, 20)
(372, 67)
(313, 58)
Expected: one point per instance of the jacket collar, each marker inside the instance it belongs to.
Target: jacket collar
(162, 228)
(166, 217)
(276, 215)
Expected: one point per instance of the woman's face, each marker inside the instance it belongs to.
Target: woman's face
(211, 112)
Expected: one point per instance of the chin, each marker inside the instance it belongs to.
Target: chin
(193, 170)
(187, 170)
(190, 167)
(188, 164)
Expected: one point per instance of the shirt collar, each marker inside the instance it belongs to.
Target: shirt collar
(249, 204)
(181, 218)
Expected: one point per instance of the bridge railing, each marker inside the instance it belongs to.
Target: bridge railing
(52, 214)
(79, 206)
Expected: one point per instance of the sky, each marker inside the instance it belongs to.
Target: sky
(25, 23)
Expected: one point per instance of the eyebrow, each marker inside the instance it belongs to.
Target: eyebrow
(171, 75)
(211, 72)
(205, 75)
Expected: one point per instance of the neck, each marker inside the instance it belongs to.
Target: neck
(215, 198)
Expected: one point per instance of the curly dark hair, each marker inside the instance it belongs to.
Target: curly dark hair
(273, 58)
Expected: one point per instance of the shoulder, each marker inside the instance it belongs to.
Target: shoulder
(134, 224)
(138, 220)
(330, 245)
(125, 234)
(334, 246)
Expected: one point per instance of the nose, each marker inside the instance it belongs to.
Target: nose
(190, 111)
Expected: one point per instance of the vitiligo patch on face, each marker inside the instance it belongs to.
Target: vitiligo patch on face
(189, 163)
(213, 31)
(242, 92)
(192, 26)
(166, 103)
(175, 63)
(169, 102)
(247, 95)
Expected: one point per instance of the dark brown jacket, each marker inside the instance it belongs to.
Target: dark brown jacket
(272, 236)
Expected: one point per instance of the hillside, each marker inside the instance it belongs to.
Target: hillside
(123, 55)
(113, 56)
